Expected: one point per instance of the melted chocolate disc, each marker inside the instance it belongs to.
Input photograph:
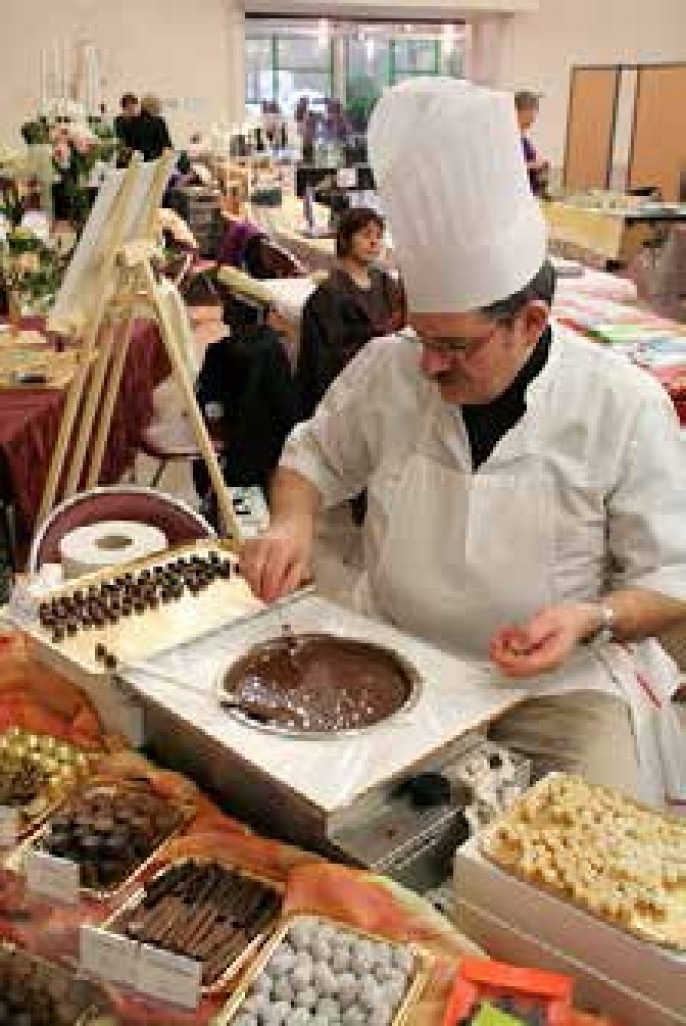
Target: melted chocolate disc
(318, 682)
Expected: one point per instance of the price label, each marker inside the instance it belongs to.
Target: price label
(52, 877)
(108, 956)
(9, 826)
(169, 977)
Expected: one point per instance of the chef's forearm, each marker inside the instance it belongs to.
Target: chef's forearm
(640, 613)
(293, 496)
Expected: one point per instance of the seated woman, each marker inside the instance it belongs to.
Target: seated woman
(357, 302)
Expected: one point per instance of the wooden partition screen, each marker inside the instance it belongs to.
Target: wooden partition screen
(658, 144)
(591, 127)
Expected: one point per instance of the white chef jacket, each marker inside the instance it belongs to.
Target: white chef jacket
(584, 495)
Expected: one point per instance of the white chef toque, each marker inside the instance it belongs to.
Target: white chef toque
(449, 168)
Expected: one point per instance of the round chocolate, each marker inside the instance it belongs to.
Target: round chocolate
(318, 682)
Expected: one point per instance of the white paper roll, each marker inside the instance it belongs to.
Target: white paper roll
(108, 543)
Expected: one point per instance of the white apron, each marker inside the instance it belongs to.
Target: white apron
(465, 553)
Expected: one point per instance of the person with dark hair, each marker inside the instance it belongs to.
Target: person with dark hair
(357, 302)
(125, 124)
(151, 133)
(525, 489)
(526, 107)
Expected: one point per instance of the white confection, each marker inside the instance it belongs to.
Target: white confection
(362, 957)
(403, 959)
(354, 1016)
(383, 954)
(283, 989)
(301, 974)
(324, 979)
(282, 961)
(300, 934)
(380, 1016)
(321, 949)
(245, 1019)
(299, 1017)
(347, 989)
(272, 1016)
(394, 992)
(327, 1008)
(340, 958)
(283, 1011)
(255, 1004)
(306, 998)
(263, 984)
(371, 994)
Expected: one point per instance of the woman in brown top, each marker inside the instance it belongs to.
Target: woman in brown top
(356, 303)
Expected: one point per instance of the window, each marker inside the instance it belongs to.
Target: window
(367, 74)
(354, 63)
(259, 72)
(410, 57)
(286, 67)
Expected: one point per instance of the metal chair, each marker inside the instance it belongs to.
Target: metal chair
(179, 522)
(169, 440)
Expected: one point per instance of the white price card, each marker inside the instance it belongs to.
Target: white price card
(169, 977)
(52, 877)
(9, 826)
(109, 956)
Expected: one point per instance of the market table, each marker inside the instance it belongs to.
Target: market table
(30, 419)
(38, 699)
(613, 234)
(286, 225)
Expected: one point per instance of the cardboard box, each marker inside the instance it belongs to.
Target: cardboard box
(641, 984)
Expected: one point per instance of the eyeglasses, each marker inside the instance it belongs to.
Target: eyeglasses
(452, 345)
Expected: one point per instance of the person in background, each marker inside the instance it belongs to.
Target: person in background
(336, 125)
(357, 302)
(526, 106)
(126, 123)
(151, 133)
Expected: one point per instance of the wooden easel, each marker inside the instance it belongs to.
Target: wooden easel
(113, 282)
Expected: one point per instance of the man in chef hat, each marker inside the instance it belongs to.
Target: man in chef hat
(526, 491)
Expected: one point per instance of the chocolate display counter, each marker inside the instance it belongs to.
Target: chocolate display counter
(215, 924)
(306, 718)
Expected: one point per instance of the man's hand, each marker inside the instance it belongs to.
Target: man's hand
(544, 643)
(277, 562)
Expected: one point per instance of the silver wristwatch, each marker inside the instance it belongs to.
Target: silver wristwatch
(604, 632)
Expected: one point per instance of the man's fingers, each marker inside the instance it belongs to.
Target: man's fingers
(277, 567)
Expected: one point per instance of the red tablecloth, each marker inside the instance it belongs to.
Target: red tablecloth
(30, 419)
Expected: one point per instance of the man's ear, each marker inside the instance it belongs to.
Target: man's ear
(534, 318)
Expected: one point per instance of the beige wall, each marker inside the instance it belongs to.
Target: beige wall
(539, 50)
(390, 8)
(191, 53)
(181, 51)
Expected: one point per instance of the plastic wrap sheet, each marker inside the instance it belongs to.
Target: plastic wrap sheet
(330, 772)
